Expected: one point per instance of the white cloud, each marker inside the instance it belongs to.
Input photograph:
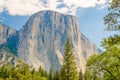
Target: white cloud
(84, 3)
(28, 7)
(1, 6)
(102, 7)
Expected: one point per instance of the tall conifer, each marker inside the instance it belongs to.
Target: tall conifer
(69, 69)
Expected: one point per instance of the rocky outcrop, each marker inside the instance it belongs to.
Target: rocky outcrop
(6, 56)
(5, 33)
(9, 59)
(88, 48)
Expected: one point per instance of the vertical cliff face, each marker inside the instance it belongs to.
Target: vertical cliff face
(8, 37)
(88, 48)
(5, 33)
(43, 37)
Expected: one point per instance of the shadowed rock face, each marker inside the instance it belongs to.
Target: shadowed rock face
(8, 37)
(41, 41)
(5, 33)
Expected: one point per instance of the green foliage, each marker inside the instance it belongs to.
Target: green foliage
(111, 41)
(42, 72)
(56, 75)
(20, 73)
(80, 75)
(112, 19)
(69, 69)
(50, 75)
(106, 66)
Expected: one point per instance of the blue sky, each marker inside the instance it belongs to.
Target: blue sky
(90, 15)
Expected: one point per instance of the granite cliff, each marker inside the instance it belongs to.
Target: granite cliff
(41, 41)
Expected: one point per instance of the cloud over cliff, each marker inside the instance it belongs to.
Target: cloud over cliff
(28, 7)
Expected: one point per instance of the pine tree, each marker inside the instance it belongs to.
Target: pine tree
(56, 75)
(50, 75)
(69, 69)
(80, 75)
